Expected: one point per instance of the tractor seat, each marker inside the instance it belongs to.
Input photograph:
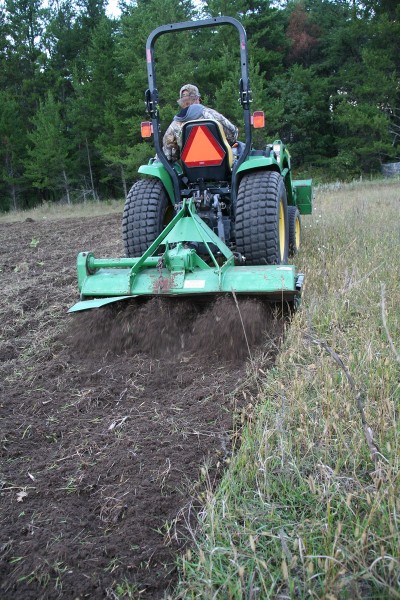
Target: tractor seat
(205, 153)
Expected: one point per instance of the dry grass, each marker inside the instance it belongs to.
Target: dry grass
(309, 507)
(55, 211)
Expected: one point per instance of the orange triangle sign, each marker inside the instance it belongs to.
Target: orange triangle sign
(202, 149)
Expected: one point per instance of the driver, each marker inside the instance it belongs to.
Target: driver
(191, 109)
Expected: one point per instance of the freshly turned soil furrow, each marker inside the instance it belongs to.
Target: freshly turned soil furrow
(107, 417)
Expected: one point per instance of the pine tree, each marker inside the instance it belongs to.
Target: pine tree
(24, 25)
(72, 85)
(48, 161)
(12, 151)
(120, 143)
(95, 89)
(65, 48)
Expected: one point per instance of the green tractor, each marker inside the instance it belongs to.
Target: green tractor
(220, 220)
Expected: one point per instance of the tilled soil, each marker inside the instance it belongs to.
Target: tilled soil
(113, 422)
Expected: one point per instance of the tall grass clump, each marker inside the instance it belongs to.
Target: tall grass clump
(310, 505)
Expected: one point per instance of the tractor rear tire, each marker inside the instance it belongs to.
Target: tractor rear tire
(146, 212)
(262, 233)
(294, 230)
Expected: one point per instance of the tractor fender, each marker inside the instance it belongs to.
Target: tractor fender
(263, 163)
(258, 162)
(255, 163)
(157, 169)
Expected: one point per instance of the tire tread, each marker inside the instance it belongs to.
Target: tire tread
(257, 217)
(143, 214)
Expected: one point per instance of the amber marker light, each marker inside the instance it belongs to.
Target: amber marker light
(258, 119)
(146, 129)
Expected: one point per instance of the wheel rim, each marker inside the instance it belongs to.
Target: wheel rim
(297, 233)
(282, 229)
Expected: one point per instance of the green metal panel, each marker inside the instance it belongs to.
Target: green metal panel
(303, 195)
(156, 169)
(258, 162)
(97, 303)
(283, 156)
(277, 281)
(180, 270)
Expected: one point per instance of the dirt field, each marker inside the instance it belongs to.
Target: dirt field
(108, 419)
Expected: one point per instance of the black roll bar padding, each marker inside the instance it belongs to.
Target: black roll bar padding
(152, 92)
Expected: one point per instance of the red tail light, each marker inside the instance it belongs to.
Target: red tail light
(146, 129)
(258, 119)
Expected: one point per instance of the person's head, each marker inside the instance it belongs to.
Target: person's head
(189, 94)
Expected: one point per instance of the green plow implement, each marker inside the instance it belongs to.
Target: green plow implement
(180, 270)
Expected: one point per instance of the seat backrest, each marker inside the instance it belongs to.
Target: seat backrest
(205, 153)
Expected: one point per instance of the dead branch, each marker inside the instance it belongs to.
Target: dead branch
(359, 398)
(389, 337)
(243, 327)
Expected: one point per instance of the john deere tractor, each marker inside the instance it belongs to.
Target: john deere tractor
(219, 220)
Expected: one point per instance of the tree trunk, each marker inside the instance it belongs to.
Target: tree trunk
(124, 181)
(66, 184)
(10, 170)
(14, 196)
(95, 196)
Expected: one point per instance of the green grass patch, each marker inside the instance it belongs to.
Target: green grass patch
(309, 505)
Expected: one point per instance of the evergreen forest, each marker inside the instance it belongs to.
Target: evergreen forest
(72, 84)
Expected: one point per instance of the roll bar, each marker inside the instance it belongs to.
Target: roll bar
(152, 91)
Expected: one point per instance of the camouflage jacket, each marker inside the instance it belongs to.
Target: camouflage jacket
(172, 140)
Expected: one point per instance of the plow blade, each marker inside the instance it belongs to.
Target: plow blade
(181, 271)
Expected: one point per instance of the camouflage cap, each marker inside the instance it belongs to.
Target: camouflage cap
(192, 90)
